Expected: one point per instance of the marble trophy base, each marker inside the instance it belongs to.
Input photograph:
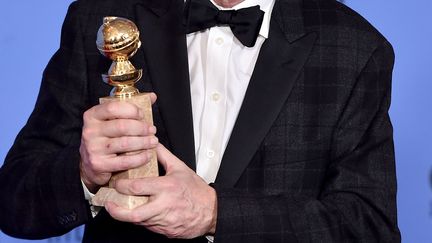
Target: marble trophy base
(150, 169)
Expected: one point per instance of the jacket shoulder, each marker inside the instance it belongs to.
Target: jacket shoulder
(122, 8)
(344, 33)
(335, 21)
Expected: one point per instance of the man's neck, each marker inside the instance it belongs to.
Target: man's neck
(227, 3)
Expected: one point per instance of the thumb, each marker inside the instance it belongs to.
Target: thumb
(166, 158)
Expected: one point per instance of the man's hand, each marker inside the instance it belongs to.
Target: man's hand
(181, 204)
(110, 130)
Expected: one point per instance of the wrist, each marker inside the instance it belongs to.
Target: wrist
(91, 187)
(213, 222)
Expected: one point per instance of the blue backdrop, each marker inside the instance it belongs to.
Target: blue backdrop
(29, 35)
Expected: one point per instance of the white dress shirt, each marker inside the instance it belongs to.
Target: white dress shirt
(220, 68)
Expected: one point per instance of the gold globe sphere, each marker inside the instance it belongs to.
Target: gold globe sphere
(118, 38)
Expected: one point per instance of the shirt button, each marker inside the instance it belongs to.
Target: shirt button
(219, 41)
(215, 96)
(210, 153)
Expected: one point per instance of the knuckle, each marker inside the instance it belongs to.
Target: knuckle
(112, 107)
(87, 133)
(92, 148)
(135, 187)
(87, 115)
(121, 126)
(170, 220)
(124, 142)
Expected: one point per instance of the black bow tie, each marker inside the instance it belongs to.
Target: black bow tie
(244, 23)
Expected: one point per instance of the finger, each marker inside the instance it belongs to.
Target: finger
(123, 162)
(130, 144)
(167, 159)
(147, 186)
(164, 156)
(153, 97)
(126, 127)
(137, 215)
(117, 110)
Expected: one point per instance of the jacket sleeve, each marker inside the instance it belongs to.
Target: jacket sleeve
(357, 202)
(41, 193)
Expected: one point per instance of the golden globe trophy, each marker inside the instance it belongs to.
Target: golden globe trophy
(118, 39)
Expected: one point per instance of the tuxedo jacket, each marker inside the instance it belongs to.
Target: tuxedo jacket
(310, 158)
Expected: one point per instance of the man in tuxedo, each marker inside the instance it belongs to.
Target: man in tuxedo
(282, 135)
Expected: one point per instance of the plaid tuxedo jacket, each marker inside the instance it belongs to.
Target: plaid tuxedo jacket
(310, 158)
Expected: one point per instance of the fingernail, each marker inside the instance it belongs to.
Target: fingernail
(152, 130)
(154, 141)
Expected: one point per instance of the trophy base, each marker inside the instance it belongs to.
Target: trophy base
(106, 194)
(150, 169)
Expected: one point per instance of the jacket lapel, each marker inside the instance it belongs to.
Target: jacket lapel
(280, 62)
(164, 49)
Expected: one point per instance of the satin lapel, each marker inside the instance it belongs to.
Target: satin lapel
(278, 66)
(164, 49)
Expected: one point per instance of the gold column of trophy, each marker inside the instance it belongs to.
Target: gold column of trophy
(118, 39)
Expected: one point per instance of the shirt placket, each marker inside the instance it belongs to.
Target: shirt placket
(214, 113)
